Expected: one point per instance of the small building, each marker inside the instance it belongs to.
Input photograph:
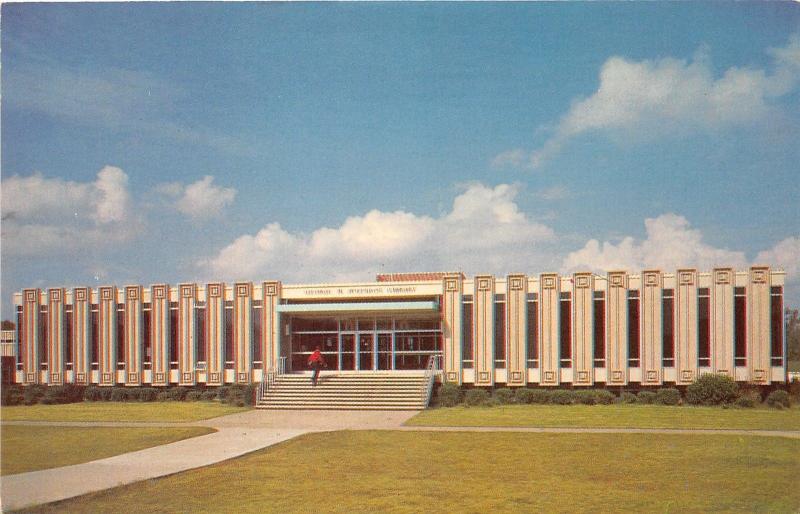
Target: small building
(8, 355)
(617, 329)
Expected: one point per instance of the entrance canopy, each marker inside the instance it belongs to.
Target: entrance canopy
(365, 307)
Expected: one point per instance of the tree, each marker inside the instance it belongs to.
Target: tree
(8, 325)
(792, 319)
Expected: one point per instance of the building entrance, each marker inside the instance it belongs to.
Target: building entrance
(366, 344)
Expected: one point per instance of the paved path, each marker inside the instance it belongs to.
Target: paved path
(236, 435)
(242, 433)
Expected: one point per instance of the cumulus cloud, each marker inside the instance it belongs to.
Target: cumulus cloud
(42, 215)
(485, 231)
(200, 200)
(670, 95)
(670, 243)
(785, 254)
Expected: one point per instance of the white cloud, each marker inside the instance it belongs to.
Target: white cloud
(43, 215)
(200, 200)
(786, 255)
(667, 96)
(670, 244)
(484, 232)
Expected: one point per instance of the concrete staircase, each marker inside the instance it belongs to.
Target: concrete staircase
(348, 391)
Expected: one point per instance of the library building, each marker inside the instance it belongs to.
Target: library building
(622, 328)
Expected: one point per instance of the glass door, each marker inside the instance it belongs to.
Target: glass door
(384, 355)
(348, 355)
(366, 352)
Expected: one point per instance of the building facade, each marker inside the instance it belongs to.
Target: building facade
(618, 329)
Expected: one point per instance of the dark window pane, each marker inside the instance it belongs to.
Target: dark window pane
(200, 317)
(533, 330)
(740, 329)
(668, 328)
(315, 325)
(20, 347)
(776, 307)
(95, 336)
(257, 313)
(43, 334)
(228, 334)
(565, 327)
(704, 331)
(466, 332)
(147, 317)
(173, 335)
(600, 329)
(633, 331)
(120, 335)
(68, 335)
(500, 332)
(739, 291)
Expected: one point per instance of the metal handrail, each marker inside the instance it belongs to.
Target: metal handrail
(434, 364)
(270, 377)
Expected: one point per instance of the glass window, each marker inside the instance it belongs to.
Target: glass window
(257, 314)
(668, 328)
(43, 334)
(599, 331)
(68, 335)
(565, 330)
(94, 335)
(173, 335)
(500, 334)
(200, 333)
(703, 327)
(776, 308)
(228, 334)
(314, 324)
(20, 346)
(532, 313)
(633, 329)
(740, 328)
(147, 317)
(120, 332)
(467, 334)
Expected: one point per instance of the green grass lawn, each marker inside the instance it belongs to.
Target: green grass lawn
(385, 471)
(29, 448)
(610, 416)
(113, 411)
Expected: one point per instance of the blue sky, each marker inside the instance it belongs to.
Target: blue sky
(171, 142)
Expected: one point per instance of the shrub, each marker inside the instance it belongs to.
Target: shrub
(12, 395)
(32, 394)
(239, 395)
(67, 393)
(194, 396)
(541, 396)
(794, 388)
(504, 396)
(627, 397)
(585, 397)
(711, 389)
(523, 395)
(163, 396)
(646, 397)
(746, 401)
(668, 396)
(562, 397)
(146, 394)
(208, 395)
(604, 397)
(97, 394)
(449, 395)
(119, 394)
(779, 399)
(476, 397)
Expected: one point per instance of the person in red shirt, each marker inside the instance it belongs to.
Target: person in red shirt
(316, 361)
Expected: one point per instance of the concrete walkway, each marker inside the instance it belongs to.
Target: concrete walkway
(238, 434)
